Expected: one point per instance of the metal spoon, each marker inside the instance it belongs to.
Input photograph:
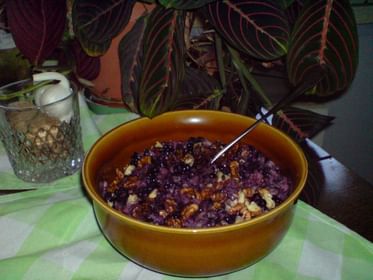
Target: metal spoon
(282, 103)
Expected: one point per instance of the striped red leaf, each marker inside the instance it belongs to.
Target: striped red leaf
(324, 35)
(184, 4)
(97, 22)
(258, 28)
(163, 61)
(86, 67)
(300, 123)
(199, 91)
(130, 58)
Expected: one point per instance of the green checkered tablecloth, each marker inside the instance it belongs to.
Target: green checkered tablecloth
(51, 233)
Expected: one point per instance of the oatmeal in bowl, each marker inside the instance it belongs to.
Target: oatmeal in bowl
(173, 184)
(161, 204)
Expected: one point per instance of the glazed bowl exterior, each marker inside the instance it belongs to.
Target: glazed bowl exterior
(192, 252)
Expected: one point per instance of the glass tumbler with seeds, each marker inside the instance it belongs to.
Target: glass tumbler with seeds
(40, 127)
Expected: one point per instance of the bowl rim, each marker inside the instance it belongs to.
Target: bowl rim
(96, 198)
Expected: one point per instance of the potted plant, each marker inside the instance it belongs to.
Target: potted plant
(198, 54)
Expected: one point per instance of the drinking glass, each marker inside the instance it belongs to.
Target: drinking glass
(41, 145)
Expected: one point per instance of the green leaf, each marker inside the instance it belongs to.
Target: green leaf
(325, 36)
(26, 91)
(13, 66)
(96, 23)
(184, 4)
(163, 61)
(130, 59)
(257, 28)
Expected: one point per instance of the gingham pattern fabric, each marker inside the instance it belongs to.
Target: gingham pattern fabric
(51, 233)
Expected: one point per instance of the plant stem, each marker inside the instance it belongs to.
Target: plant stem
(244, 100)
(24, 91)
(219, 59)
(241, 67)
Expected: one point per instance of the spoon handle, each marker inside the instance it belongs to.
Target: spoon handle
(280, 104)
(235, 140)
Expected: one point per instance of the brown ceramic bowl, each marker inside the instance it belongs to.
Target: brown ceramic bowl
(193, 252)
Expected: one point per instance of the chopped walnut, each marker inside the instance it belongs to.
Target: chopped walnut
(235, 209)
(206, 192)
(145, 160)
(253, 208)
(241, 197)
(245, 213)
(189, 211)
(132, 199)
(219, 176)
(234, 168)
(173, 222)
(170, 205)
(153, 194)
(128, 171)
(216, 205)
(158, 145)
(267, 196)
(188, 191)
(163, 213)
(218, 197)
(119, 173)
(131, 182)
(188, 159)
(249, 192)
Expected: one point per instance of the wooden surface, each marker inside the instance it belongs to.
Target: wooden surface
(336, 191)
(340, 193)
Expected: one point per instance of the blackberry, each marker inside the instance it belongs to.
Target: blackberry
(135, 158)
(181, 169)
(277, 200)
(167, 149)
(259, 201)
(230, 219)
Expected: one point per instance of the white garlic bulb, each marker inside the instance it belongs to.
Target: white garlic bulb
(46, 96)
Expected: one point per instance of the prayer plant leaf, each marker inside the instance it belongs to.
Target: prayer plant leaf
(286, 3)
(163, 61)
(130, 56)
(93, 48)
(257, 28)
(86, 67)
(324, 35)
(184, 4)
(96, 23)
(200, 91)
(300, 123)
(37, 26)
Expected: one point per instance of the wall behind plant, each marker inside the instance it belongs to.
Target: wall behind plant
(350, 138)
(108, 82)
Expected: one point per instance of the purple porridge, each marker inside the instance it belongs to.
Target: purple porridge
(173, 184)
